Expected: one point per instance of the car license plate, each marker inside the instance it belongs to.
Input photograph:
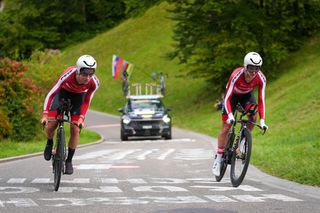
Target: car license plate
(147, 127)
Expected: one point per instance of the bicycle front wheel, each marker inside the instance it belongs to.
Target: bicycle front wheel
(58, 159)
(241, 158)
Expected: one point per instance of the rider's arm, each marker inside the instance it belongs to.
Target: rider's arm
(261, 95)
(88, 97)
(56, 88)
(229, 90)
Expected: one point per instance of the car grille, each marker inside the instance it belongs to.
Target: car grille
(140, 124)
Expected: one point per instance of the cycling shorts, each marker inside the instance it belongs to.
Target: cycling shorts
(76, 103)
(245, 100)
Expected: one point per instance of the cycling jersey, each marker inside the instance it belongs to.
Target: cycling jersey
(238, 86)
(67, 84)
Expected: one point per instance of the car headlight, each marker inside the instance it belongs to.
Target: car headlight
(166, 119)
(126, 119)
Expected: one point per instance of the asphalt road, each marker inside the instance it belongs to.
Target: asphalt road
(152, 176)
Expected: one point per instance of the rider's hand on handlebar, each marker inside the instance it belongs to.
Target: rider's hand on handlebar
(80, 123)
(44, 120)
(263, 125)
(230, 119)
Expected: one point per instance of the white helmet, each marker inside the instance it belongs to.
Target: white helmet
(86, 61)
(252, 58)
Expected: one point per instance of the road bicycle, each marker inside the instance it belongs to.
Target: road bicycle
(60, 155)
(237, 151)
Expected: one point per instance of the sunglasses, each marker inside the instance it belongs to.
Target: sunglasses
(85, 72)
(252, 68)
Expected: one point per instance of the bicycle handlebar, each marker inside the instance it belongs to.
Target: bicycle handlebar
(65, 120)
(253, 123)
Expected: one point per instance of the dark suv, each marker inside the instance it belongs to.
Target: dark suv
(145, 115)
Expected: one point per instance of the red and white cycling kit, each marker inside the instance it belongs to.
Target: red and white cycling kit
(237, 89)
(67, 87)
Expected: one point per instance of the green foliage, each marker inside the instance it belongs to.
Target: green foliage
(5, 125)
(136, 8)
(19, 102)
(32, 25)
(35, 24)
(212, 37)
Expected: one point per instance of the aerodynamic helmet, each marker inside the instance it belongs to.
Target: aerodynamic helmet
(86, 62)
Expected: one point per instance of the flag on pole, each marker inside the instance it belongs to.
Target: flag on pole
(117, 64)
(121, 67)
(129, 69)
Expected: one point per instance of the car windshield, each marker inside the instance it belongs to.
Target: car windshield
(155, 105)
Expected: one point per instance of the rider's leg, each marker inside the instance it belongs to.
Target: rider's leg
(222, 139)
(252, 119)
(50, 130)
(73, 142)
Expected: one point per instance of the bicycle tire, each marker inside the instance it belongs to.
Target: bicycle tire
(59, 158)
(236, 180)
(224, 163)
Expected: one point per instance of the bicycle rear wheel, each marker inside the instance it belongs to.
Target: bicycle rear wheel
(241, 158)
(58, 159)
(225, 157)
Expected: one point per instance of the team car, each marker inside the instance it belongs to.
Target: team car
(145, 115)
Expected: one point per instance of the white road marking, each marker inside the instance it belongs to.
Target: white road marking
(255, 199)
(75, 181)
(116, 181)
(245, 188)
(125, 201)
(159, 189)
(17, 190)
(143, 155)
(147, 186)
(103, 166)
(19, 202)
(220, 198)
(122, 154)
(194, 154)
(166, 154)
(16, 180)
(101, 189)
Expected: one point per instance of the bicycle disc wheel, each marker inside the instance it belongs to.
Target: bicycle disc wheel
(59, 158)
(225, 157)
(241, 158)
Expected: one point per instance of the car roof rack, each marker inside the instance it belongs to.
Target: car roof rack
(151, 89)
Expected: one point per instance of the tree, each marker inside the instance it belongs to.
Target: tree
(19, 102)
(38, 24)
(212, 37)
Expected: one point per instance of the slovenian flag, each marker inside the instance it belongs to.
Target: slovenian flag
(117, 64)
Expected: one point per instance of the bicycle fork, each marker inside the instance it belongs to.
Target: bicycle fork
(239, 145)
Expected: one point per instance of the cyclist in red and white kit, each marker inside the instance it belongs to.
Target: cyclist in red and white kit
(77, 83)
(240, 90)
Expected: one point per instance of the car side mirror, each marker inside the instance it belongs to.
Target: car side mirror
(168, 109)
(120, 110)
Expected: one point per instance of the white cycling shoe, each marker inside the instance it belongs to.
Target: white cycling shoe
(216, 167)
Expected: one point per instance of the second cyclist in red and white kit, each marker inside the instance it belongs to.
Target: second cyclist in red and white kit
(240, 90)
(77, 83)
